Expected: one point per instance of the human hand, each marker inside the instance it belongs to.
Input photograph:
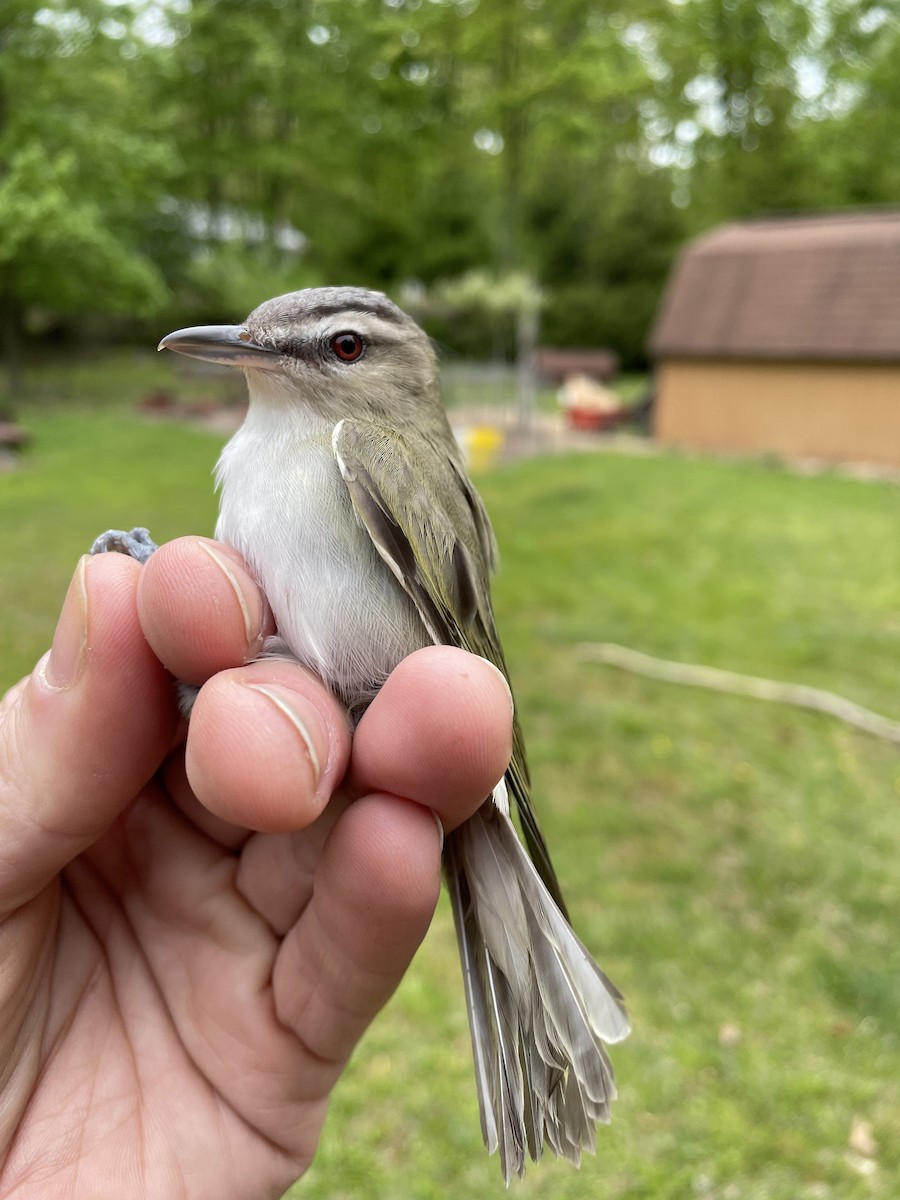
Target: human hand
(179, 993)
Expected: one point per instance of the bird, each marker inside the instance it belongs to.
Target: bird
(347, 494)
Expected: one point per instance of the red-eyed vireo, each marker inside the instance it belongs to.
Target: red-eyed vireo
(347, 494)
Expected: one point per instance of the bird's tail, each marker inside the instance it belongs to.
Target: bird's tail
(540, 1009)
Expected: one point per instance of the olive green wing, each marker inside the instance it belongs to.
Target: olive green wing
(429, 525)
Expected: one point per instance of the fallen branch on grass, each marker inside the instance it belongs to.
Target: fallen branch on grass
(742, 685)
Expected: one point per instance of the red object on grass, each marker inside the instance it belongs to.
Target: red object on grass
(591, 420)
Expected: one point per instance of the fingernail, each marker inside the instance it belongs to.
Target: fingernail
(62, 668)
(252, 629)
(289, 704)
(495, 668)
(440, 828)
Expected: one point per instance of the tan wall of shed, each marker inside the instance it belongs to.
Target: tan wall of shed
(832, 411)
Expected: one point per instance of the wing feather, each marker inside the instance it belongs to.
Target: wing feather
(428, 523)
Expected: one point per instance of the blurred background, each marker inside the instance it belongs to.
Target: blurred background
(164, 162)
(522, 175)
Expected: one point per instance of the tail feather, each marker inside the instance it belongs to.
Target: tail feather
(471, 952)
(540, 1009)
(508, 1094)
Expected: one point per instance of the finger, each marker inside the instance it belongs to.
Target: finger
(439, 732)
(375, 891)
(267, 745)
(201, 609)
(12, 696)
(176, 786)
(272, 1026)
(84, 734)
(210, 956)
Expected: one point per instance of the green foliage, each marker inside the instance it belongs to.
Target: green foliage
(80, 167)
(228, 280)
(615, 316)
(165, 150)
(851, 148)
(733, 864)
(55, 244)
(477, 309)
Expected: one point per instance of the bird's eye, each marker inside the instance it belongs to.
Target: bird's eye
(347, 346)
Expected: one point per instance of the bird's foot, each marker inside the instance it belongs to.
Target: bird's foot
(137, 543)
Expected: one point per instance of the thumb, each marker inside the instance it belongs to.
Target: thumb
(80, 736)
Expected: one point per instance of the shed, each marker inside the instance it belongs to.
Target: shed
(784, 336)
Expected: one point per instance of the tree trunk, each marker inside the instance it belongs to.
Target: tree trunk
(527, 327)
(513, 128)
(11, 353)
(10, 342)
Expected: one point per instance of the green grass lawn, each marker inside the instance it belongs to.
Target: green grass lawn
(732, 864)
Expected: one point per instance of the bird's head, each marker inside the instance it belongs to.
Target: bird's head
(345, 351)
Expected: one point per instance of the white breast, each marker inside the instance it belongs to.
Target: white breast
(286, 509)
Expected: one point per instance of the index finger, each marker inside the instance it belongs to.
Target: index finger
(201, 609)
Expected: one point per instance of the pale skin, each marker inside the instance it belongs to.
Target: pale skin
(178, 993)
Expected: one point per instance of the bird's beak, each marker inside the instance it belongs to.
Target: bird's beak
(230, 345)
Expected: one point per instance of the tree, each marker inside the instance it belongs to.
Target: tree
(852, 124)
(240, 147)
(80, 169)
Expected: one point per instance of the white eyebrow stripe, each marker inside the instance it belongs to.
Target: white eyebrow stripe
(366, 324)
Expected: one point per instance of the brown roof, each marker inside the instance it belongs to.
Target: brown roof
(810, 288)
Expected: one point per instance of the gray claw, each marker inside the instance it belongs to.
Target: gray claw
(137, 544)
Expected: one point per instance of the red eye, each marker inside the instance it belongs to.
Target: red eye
(347, 346)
